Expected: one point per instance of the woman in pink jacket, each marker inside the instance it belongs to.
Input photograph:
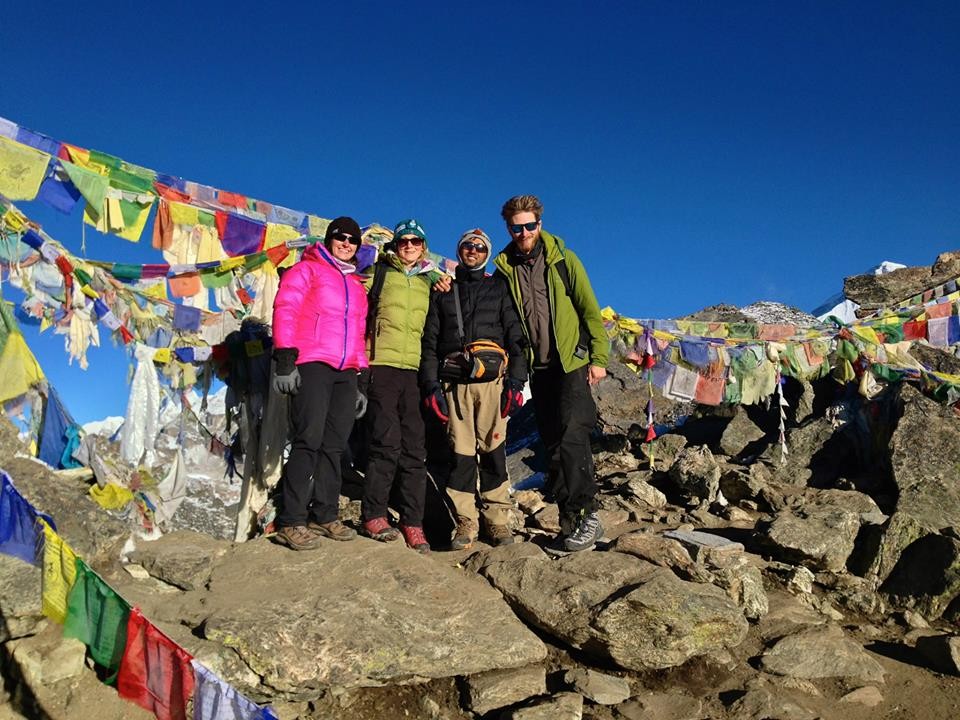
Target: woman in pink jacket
(319, 318)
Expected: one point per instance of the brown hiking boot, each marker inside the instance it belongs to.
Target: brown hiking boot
(499, 535)
(334, 530)
(298, 537)
(465, 534)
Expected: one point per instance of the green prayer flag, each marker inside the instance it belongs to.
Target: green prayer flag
(744, 330)
(132, 183)
(126, 271)
(101, 158)
(206, 218)
(252, 262)
(92, 186)
(216, 279)
(97, 616)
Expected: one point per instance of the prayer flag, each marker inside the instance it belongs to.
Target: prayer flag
(239, 235)
(155, 672)
(214, 699)
(186, 318)
(97, 616)
(22, 169)
(19, 532)
(59, 573)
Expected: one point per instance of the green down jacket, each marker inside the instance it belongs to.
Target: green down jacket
(401, 313)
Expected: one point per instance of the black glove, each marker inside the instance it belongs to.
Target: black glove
(363, 385)
(511, 398)
(437, 403)
(287, 378)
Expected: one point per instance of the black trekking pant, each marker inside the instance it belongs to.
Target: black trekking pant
(396, 446)
(566, 415)
(321, 415)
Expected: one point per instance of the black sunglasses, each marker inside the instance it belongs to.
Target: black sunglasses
(344, 237)
(478, 247)
(530, 227)
(416, 242)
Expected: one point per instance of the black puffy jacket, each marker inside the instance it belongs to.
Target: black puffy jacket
(488, 314)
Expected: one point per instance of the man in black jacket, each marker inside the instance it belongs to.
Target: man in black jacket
(475, 412)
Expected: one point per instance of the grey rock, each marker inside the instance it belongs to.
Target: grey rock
(744, 584)
(787, 615)
(739, 484)
(739, 433)
(182, 558)
(872, 292)
(639, 488)
(760, 703)
(666, 621)
(942, 652)
(925, 455)
(547, 519)
(20, 598)
(499, 688)
(662, 706)
(661, 551)
(696, 473)
(357, 614)
(608, 463)
(705, 547)
(562, 706)
(821, 539)
(45, 658)
(663, 450)
(598, 687)
(821, 652)
(869, 696)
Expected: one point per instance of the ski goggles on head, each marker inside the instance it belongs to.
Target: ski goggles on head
(529, 227)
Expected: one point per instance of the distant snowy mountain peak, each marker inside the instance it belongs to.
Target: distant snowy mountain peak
(846, 310)
(105, 428)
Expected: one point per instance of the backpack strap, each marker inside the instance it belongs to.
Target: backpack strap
(373, 302)
(456, 302)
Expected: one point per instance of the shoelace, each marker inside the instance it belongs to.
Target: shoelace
(587, 526)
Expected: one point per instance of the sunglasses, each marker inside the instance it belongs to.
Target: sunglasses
(530, 227)
(416, 242)
(344, 237)
(476, 247)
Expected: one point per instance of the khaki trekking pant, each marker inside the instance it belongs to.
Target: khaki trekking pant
(477, 434)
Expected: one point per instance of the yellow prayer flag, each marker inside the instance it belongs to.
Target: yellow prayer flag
(59, 573)
(868, 334)
(317, 225)
(181, 214)
(278, 235)
(22, 169)
(162, 355)
(230, 263)
(110, 496)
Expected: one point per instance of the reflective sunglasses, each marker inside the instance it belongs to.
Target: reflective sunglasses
(344, 237)
(530, 227)
(477, 247)
(416, 242)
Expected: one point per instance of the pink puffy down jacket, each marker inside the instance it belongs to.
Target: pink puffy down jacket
(321, 311)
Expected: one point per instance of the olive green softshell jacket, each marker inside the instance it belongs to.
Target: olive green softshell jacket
(565, 312)
(401, 314)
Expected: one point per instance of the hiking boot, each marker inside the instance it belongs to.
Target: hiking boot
(413, 534)
(334, 530)
(379, 529)
(499, 535)
(585, 535)
(298, 537)
(465, 534)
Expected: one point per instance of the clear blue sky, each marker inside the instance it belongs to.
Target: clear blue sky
(691, 153)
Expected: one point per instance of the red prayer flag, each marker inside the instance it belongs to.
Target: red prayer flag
(231, 199)
(155, 672)
(162, 227)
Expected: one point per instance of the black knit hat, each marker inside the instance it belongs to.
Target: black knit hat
(345, 225)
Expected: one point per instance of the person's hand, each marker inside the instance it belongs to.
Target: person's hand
(287, 378)
(443, 284)
(361, 407)
(437, 403)
(287, 384)
(595, 374)
(511, 399)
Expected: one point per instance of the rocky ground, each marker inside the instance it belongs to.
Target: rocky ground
(732, 582)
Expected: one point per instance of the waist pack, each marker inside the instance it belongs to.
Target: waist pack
(479, 361)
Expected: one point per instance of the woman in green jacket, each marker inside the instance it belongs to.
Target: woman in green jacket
(395, 425)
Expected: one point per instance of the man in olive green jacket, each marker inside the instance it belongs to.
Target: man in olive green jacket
(568, 351)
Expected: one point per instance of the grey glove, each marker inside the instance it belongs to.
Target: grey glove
(361, 408)
(287, 384)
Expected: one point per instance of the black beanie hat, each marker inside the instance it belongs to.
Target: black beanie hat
(345, 225)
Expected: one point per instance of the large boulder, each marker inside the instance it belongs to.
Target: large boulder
(739, 433)
(924, 457)
(821, 541)
(357, 614)
(615, 606)
(821, 652)
(696, 474)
